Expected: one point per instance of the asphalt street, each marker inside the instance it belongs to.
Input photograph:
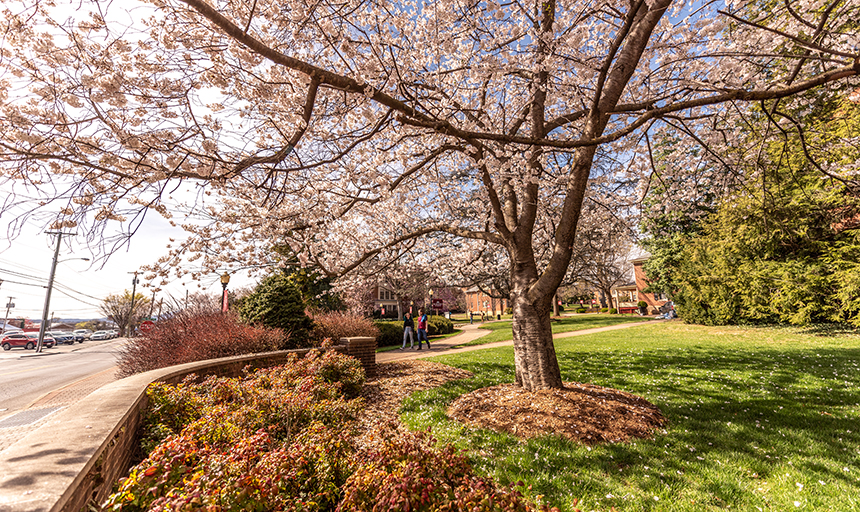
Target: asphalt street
(26, 376)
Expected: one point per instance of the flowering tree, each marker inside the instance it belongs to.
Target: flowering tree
(358, 131)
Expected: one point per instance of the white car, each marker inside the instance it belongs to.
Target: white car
(100, 335)
(83, 333)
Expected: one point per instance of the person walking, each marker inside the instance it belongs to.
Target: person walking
(408, 328)
(422, 329)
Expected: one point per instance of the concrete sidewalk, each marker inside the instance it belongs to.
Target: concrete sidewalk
(471, 332)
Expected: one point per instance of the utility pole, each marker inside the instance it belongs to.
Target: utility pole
(50, 287)
(151, 304)
(9, 306)
(129, 331)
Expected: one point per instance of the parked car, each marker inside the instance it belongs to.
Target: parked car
(48, 341)
(113, 333)
(63, 337)
(25, 340)
(83, 333)
(100, 335)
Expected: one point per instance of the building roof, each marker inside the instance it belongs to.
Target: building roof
(626, 286)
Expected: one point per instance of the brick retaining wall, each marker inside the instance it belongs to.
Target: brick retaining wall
(74, 458)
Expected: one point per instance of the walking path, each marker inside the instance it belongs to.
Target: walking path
(453, 345)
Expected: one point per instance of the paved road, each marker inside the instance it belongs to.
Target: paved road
(35, 385)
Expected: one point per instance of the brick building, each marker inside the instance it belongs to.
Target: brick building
(478, 302)
(627, 296)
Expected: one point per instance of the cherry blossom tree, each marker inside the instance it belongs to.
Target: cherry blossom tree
(361, 131)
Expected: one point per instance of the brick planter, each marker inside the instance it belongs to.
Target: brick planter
(363, 349)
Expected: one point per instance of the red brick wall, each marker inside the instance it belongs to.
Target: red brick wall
(641, 284)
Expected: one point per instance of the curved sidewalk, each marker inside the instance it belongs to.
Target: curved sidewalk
(454, 344)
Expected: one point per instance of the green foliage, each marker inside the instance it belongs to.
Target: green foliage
(580, 310)
(783, 250)
(612, 311)
(642, 304)
(437, 325)
(277, 303)
(390, 333)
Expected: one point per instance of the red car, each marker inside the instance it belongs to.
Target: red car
(25, 340)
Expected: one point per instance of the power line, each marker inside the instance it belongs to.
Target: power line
(75, 298)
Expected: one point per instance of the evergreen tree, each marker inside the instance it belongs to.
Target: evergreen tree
(276, 302)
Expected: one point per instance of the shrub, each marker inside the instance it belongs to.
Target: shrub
(613, 311)
(642, 304)
(279, 439)
(604, 310)
(390, 333)
(338, 324)
(439, 325)
(509, 311)
(275, 439)
(580, 310)
(277, 303)
(409, 473)
(343, 370)
(185, 338)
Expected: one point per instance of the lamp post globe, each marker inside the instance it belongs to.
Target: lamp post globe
(431, 300)
(225, 303)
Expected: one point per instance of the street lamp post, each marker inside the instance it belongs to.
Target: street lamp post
(431, 302)
(225, 303)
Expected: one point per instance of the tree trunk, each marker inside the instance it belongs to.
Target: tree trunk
(534, 351)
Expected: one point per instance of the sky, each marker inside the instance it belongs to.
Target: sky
(80, 286)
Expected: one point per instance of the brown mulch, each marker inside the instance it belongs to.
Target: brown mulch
(582, 412)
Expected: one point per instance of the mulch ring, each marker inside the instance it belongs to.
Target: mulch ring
(581, 412)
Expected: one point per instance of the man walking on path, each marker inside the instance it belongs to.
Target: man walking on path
(408, 327)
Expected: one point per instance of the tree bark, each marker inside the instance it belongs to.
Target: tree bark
(534, 352)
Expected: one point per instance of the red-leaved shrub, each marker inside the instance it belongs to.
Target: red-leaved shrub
(276, 439)
(338, 324)
(281, 439)
(195, 337)
(408, 472)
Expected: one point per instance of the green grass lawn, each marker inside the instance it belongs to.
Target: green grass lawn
(759, 419)
(502, 331)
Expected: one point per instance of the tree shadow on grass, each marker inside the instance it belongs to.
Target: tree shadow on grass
(748, 413)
